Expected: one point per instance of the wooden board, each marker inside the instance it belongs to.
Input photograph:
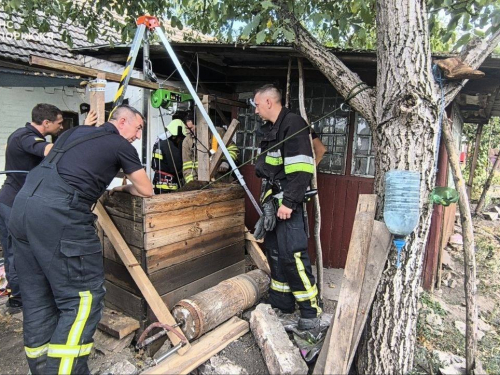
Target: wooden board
(256, 253)
(377, 258)
(202, 133)
(228, 136)
(149, 292)
(118, 298)
(109, 252)
(117, 324)
(183, 251)
(171, 202)
(202, 349)
(124, 205)
(97, 101)
(131, 231)
(171, 298)
(185, 232)
(338, 349)
(192, 214)
(173, 277)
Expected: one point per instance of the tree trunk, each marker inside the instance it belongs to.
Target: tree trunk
(482, 200)
(405, 138)
(469, 258)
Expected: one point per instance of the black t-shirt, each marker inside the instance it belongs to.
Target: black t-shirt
(91, 166)
(24, 152)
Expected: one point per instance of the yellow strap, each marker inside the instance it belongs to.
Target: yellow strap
(64, 351)
(36, 352)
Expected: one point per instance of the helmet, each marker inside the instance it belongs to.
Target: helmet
(174, 126)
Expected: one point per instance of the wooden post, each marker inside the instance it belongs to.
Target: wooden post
(480, 204)
(469, 257)
(474, 158)
(255, 252)
(146, 287)
(217, 158)
(97, 100)
(339, 346)
(288, 83)
(202, 133)
(314, 185)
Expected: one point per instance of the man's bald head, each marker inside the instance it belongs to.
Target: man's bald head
(267, 101)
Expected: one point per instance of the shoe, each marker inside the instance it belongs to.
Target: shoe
(14, 306)
(306, 324)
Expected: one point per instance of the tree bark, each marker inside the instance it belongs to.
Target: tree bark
(314, 185)
(405, 138)
(477, 145)
(480, 204)
(469, 258)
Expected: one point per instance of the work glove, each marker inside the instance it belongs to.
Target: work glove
(267, 222)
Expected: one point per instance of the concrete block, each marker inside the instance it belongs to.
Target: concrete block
(280, 355)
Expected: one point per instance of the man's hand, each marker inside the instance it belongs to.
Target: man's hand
(284, 212)
(224, 167)
(91, 118)
(117, 188)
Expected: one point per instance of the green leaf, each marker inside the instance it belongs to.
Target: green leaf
(464, 39)
(261, 37)
(289, 35)
(267, 4)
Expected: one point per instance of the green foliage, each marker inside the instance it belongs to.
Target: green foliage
(347, 23)
(490, 139)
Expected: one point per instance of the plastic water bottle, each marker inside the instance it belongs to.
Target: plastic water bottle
(401, 207)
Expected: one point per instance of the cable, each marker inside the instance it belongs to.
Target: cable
(170, 150)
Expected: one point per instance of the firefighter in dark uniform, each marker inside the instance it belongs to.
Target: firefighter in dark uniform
(57, 252)
(286, 171)
(26, 148)
(167, 158)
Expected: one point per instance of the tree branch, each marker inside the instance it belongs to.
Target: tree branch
(473, 55)
(340, 76)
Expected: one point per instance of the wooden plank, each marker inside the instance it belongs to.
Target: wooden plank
(171, 298)
(97, 101)
(185, 232)
(256, 253)
(124, 205)
(202, 132)
(378, 252)
(171, 202)
(183, 251)
(191, 214)
(228, 136)
(109, 251)
(338, 349)
(204, 348)
(119, 299)
(171, 278)
(149, 292)
(117, 324)
(118, 275)
(131, 231)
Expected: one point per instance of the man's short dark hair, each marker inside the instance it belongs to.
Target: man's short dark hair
(269, 89)
(43, 112)
(119, 111)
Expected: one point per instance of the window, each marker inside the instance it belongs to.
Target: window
(246, 137)
(362, 150)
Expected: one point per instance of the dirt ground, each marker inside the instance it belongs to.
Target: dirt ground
(442, 313)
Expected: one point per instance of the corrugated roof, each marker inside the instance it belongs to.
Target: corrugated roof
(52, 46)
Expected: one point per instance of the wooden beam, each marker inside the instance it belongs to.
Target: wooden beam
(339, 346)
(202, 132)
(228, 136)
(138, 274)
(97, 99)
(477, 145)
(201, 350)
(117, 324)
(255, 252)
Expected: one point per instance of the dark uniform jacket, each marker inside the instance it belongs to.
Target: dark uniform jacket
(25, 148)
(292, 161)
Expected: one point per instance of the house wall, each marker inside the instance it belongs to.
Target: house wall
(17, 103)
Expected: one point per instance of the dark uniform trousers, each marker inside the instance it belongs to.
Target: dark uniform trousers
(58, 257)
(291, 275)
